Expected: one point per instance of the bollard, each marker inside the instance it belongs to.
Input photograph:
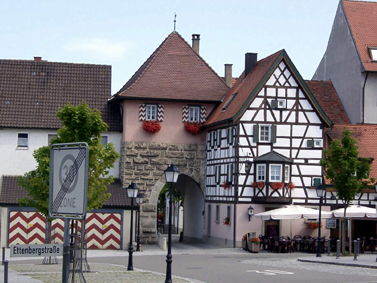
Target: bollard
(358, 246)
(328, 246)
(5, 271)
(3, 255)
(337, 248)
(354, 250)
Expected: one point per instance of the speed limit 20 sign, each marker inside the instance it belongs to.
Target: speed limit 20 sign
(68, 180)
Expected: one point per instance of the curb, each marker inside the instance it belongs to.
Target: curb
(338, 263)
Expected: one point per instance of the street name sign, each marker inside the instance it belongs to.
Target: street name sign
(68, 180)
(36, 250)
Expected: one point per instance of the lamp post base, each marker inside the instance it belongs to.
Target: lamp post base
(130, 262)
(169, 260)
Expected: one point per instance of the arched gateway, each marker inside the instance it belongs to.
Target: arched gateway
(144, 163)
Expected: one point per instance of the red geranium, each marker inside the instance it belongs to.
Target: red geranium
(151, 126)
(192, 127)
(277, 185)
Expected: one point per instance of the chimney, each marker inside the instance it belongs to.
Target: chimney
(250, 61)
(228, 74)
(37, 59)
(195, 42)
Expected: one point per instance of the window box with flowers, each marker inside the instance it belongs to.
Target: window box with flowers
(291, 186)
(277, 186)
(312, 225)
(244, 242)
(192, 127)
(255, 243)
(226, 185)
(151, 126)
(226, 221)
(258, 185)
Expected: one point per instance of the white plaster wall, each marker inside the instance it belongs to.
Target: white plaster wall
(18, 161)
(370, 103)
(4, 226)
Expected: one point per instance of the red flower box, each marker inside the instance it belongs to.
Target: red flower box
(192, 127)
(151, 126)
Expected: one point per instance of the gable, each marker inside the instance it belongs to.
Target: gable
(282, 100)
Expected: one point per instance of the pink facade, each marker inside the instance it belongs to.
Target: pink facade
(172, 127)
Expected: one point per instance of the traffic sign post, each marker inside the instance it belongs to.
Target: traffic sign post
(68, 189)
(68, 180)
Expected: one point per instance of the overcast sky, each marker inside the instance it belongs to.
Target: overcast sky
(124, 34)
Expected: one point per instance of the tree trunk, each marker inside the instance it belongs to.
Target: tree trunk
(349, 234)
(343, 239)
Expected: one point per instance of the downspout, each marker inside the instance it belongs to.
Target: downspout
(236, 186)
(363, 99)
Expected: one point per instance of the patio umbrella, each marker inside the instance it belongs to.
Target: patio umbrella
(292, 212)
(355, 211)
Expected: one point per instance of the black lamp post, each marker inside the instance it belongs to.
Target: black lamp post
(132, 191)
(139, 201)
(321, 191)
(171, 176)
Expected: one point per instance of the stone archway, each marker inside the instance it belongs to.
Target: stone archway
(144, 163)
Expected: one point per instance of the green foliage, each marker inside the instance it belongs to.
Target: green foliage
(166, 190)
(340, 164)
(80, 124)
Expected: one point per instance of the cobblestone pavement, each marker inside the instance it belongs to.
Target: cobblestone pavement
(99, 273)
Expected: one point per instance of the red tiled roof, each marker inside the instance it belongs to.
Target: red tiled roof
(365, 135)
(11, 192)
(325, 94)
(243, 87)
(362, 19)
(175, 71)
(32, 91)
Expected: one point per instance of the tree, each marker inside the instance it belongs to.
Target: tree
(80, 124)
(348, 173)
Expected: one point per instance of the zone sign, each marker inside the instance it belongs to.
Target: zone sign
(68, 180)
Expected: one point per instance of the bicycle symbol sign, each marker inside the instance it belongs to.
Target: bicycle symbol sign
(68, 180)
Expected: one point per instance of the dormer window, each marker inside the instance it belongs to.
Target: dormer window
(373, 53)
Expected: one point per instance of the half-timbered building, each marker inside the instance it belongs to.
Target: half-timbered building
(264, 144)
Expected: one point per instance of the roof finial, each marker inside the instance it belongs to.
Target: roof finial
(175, 16)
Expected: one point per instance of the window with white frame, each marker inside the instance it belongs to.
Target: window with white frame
(264, 133)
(104, 140)
(151, 112)
(194, 114)
(217, 213)
(23, 140)
(261, 173)
(286, 174)
(50, 137)
(275, 173)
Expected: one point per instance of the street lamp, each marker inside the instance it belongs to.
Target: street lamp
(132, 191)
(139, 201)
(171, 176)
(321, 192)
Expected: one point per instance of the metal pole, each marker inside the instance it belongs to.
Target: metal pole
(358, 246)
(354, 250)
(328, 246)
(3, 255)
(138, 231)
(319, 230)
(66, 258)
(5, 271)
(169, 257)
(131, 248)
(337, 248)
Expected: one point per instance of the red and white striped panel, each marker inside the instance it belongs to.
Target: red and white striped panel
(57, 231)
(26, 228)
(103, 230)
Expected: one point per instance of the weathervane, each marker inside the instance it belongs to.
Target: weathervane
(175, 16)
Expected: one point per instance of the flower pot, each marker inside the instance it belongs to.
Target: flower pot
(253, 248)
